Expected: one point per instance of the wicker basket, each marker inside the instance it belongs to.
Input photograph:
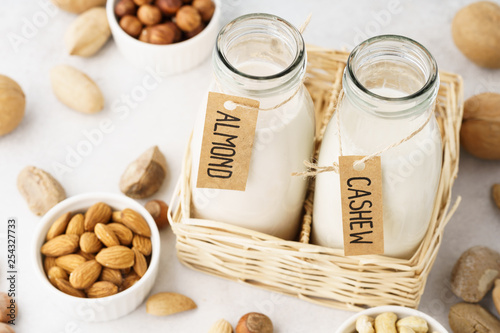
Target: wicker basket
(318, 274)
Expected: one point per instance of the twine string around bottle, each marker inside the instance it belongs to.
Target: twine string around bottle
(314, 169)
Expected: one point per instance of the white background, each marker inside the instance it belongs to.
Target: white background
(165, 117)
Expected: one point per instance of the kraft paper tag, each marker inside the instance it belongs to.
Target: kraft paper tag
(227, 143)
(362, 206)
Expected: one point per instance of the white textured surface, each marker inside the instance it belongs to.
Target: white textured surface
(165, 117)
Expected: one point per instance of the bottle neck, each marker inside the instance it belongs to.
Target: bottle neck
(259, 56)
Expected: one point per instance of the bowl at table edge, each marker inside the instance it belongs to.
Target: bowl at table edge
(349, 326)
(169, 59)
(96, 309)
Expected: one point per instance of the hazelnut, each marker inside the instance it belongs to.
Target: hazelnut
(131, 25)
(169, 7)
(254, 322)
(144, 36)
(188, 18)
(142, 2)
(161, 34)
(206, 8)
(149, 14)
(5, 302)
(177, 31)
(195, 32)
(159, 211)
(187, 2)
(125, 7)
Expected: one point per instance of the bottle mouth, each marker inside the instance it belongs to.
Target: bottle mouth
(260, 48)
(392, 69)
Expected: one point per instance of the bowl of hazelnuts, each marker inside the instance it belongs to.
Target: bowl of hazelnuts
(164, 36)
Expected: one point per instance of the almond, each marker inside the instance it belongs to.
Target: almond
(88, 33)
(116, 257)
(56, 272)
(97, 213)
(59, 226)
(106, 235)
(102, 289)
(164, 304)
(48, 263)
(65, 287)
(135, 222)
(123, 233)
(87, 256)
(70, 262)
(85, 275)
(112, 275)
(78, 6)
(116, 216)
(143, 244)
(129, 280)
(76, 90)
(40, 190)
(89, 243)
(60, 245)
(221, 326)
(76, 225)
(140, 265)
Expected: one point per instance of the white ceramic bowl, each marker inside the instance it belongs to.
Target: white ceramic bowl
(349, 326)
(106, 308)
(165, 59)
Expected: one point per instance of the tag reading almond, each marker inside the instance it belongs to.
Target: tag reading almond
(227, 142)
(362, 206)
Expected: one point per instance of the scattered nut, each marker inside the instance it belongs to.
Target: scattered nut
(221, 326)
(480, 132)
(6, 328)
(476, 32)
(187, 18)
(5, 303)
(417, 324)
(474, 273)
(88, 33)
(386, 322)
(145, 175)
(364, 324)
(254, 322)
(149, 14)
(169, 7)
(131, 25)
(40, 190)
(164, 304)
(206, 8)
(471, 318)
(159, 211)
(78, 6)
(125, 7)
(76, 90)
(12, 105)
(496, 295)
(496, 194)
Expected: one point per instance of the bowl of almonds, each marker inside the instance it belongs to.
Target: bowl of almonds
(97, 255)
(391, 319)
(164, 36)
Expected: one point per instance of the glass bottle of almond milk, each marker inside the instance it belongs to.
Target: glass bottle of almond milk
(262, 57)
(390, 86)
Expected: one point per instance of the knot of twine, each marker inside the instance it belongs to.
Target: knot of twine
(314, 169)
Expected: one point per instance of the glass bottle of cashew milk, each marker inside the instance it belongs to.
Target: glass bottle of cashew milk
(262, 57)
(390, 86)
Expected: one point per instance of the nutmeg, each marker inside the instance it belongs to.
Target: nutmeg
(169, 7)
(161, 34)
(480, 133)
(254, 322)
(188, 18)
(125, 7)
(149, 14)
(142, 2)
(131, 25)
(206, 8)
